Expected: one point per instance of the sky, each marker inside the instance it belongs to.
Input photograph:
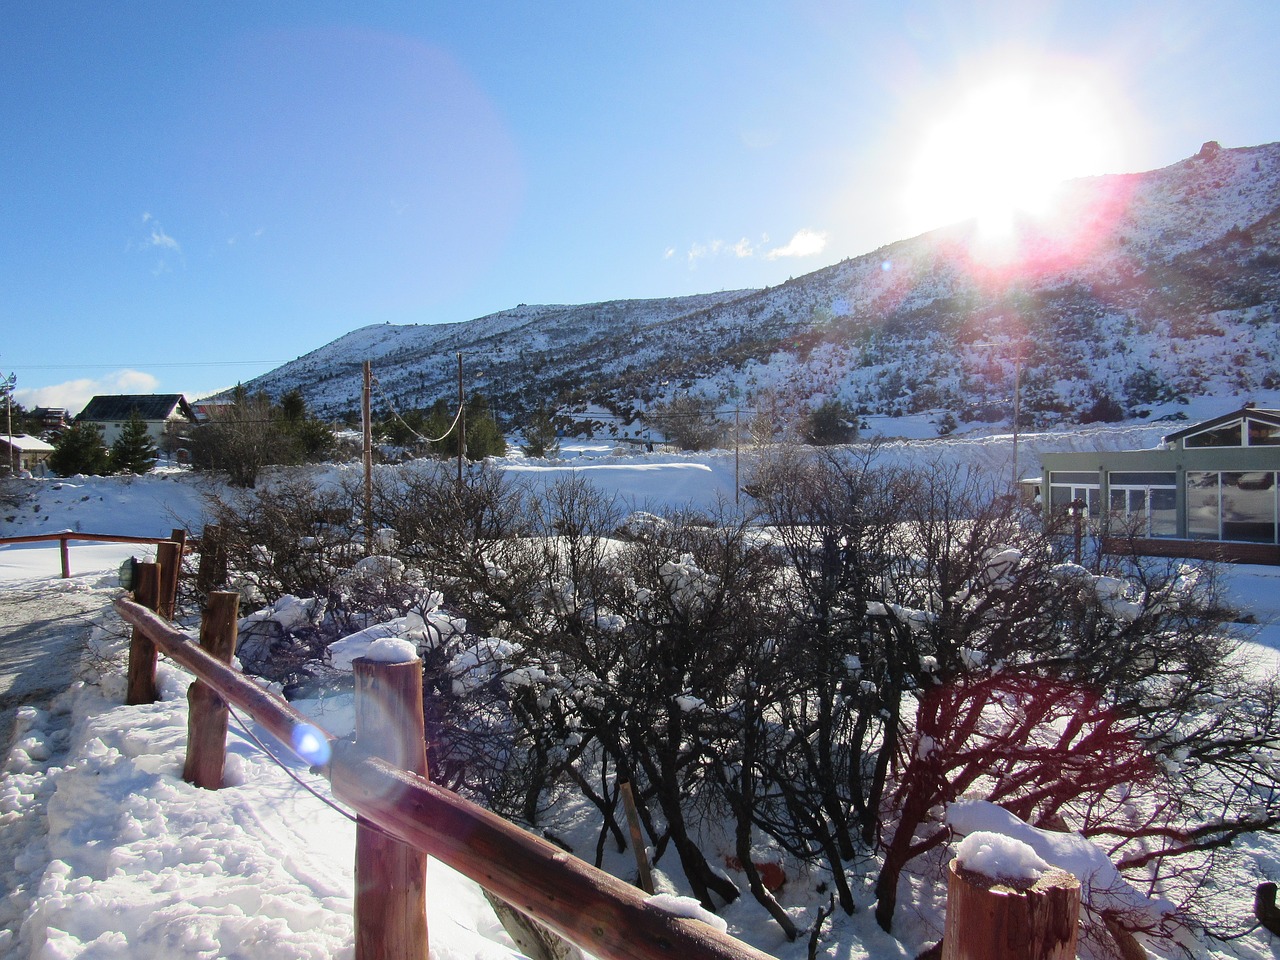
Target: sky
(193, 195)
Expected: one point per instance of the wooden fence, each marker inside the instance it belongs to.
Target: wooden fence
(400, 808)
(64, 537)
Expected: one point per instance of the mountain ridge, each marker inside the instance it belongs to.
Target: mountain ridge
(1134, 293)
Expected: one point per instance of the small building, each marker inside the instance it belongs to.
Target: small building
(50, 419)
(21, 453)
(1210, 490)
(168, 416)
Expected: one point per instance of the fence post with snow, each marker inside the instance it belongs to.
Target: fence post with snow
(1005, 903)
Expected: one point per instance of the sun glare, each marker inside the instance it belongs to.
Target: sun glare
(1001, 147)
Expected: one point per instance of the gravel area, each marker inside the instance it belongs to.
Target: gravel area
(42, 633)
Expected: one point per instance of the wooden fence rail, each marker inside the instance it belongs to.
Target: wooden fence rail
(64, 537)
(600, 913)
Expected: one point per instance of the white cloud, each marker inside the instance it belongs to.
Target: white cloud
(74, 394)
(161, 239)
(805, 243)
(158, 240)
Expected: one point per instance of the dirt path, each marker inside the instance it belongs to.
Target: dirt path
(42, 632)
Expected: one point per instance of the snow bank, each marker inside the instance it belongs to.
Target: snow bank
(138, 864)
(1102, 886)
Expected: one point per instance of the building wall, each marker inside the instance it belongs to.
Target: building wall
(1177, 461)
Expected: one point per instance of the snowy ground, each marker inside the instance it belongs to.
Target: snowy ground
(114, 856)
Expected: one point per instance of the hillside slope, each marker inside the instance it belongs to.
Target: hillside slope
(1135, 293)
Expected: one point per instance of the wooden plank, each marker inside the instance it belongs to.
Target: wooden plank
(603, 915)
(272, 713)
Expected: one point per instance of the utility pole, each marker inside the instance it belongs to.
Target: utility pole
(1017, 415)
(366, 417)
(8, 384)
(462, 421)
(737, 440)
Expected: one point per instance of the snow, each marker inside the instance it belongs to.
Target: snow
(687, 907)
(1023, 848)
(391, 650)
(114, 855)
(1000, 857)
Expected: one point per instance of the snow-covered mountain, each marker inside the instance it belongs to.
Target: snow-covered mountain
(1133, 294)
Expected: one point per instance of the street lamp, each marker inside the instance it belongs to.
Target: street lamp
(1077, 509)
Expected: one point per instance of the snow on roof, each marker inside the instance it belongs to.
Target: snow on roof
(20, 441)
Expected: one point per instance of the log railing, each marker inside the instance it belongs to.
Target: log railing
(64, 537)
(600, 913)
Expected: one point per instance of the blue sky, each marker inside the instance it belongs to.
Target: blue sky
(195, 193)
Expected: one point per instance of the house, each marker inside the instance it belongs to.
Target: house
(50, 419)
(1210, 490)
(168, 416)
(21, 453)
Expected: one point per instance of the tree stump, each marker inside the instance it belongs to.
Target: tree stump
(991, 919)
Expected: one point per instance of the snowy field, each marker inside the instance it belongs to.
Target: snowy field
(114, 856)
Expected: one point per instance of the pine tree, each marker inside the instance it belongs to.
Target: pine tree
(80, 450)
(133, 451)
(540, 439)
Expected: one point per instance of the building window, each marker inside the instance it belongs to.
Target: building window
(1263, 434)
(1249, 506)
(1227, 435)
(1145, 502)
(1240, 433)
(1237, 506)
(1064, 487)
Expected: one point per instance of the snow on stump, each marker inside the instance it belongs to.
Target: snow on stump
(1005, 903)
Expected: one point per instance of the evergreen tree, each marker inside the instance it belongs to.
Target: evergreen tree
(540, 439)
(133, 451)
(484, 436)
(832, 422)
(80, 450)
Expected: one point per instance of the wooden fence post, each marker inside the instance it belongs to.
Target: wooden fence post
(990, 919)
(391, 877)
(637, 838)
(169, 558)
(142, 652)
(207, 718)
(212, 572)
(66, 559)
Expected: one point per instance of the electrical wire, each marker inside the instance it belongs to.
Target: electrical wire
(244, 727)
(390, 406)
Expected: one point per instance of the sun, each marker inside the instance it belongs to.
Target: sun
(1004, 143)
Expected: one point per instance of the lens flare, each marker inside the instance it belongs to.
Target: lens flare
(311, 744)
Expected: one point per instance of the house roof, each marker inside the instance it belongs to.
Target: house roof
(1254, 413)
(20, 441)
(150, 406)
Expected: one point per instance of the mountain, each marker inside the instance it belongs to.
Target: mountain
(1132, 295)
